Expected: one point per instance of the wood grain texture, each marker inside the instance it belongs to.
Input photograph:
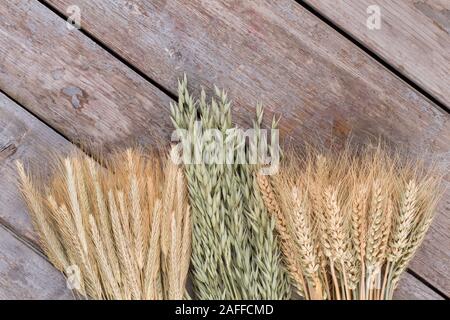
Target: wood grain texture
(414, 36)
(26, 275)
(409, 288)
(23, 273)
(24, 138)
(39, 136)
(72, 83)
(278, 53)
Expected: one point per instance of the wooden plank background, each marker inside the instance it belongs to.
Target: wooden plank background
(410, 288)
(73, 84)
(24, 138)
(280, 54)
(414, 36)
(27, 275)
(276, 53)
(24, 271)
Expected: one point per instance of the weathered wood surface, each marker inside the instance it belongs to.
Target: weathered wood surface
(414, 36)
(24, 273)
(278, 53)
(409, 288)
(24, 138)
(43, 64)
(72, 83)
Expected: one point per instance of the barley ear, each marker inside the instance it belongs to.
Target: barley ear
(42, 221)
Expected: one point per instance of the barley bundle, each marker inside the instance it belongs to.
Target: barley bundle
(234, 251)
(349, 223)
(117, 233)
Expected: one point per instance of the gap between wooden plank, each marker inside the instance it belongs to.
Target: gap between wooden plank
(131, 66)
(77, 145)
(26, 274)
(396, 72)
(375, 56)
(426, 283)
(135, 69)
(32, 243)
(26, 242)
(25, 271)
(24, 106)
(305, 5)
(112, 52)
(33, 114)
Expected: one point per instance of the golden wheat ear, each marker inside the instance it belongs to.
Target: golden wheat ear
(369, 212)
(287, 245)
(41, 220)
(105, 223)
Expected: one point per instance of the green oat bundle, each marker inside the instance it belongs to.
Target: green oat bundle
(349, 224)
(117, 233)
(234, 251)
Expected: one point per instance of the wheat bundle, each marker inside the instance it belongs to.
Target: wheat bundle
(349, 223)
(117, 233)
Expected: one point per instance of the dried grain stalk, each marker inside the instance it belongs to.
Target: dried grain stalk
(349, 223)
(120, 232)
(235, 254)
